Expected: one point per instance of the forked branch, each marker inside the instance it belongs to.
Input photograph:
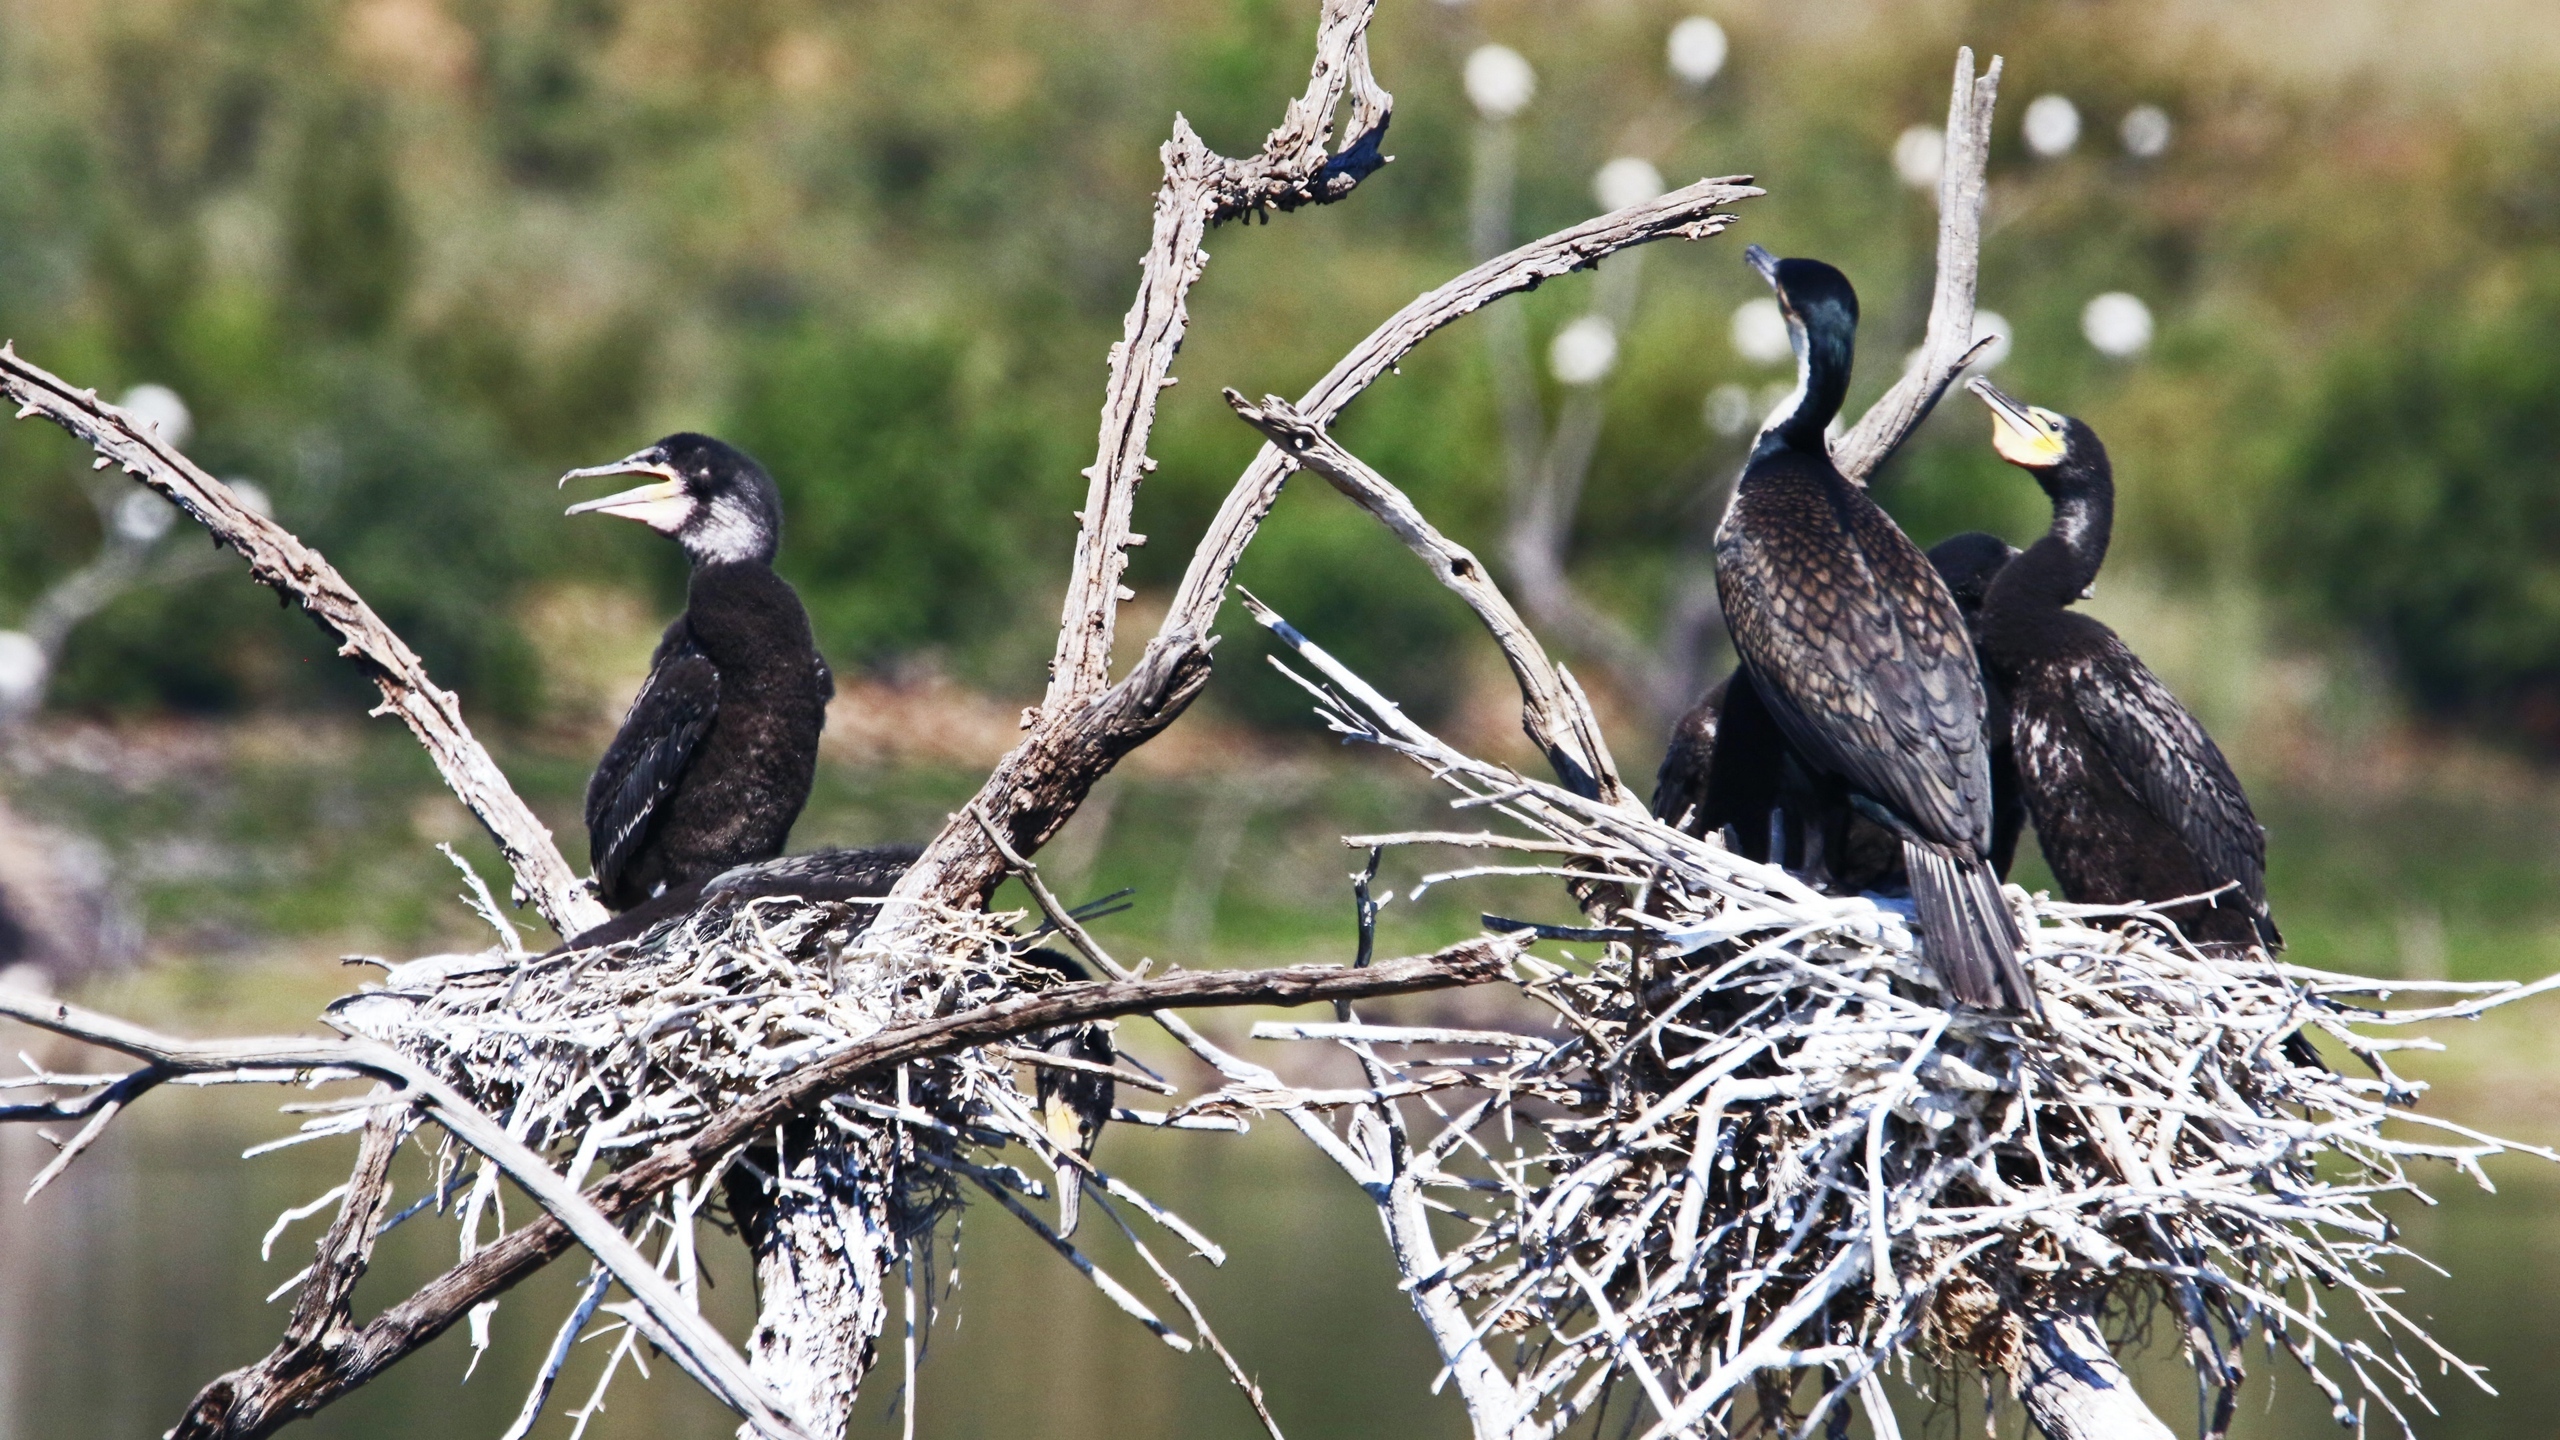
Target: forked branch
(1038, 786)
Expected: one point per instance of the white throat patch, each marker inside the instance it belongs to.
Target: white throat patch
(727, 532)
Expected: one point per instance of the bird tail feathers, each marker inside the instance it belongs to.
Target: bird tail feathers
(1966, 929)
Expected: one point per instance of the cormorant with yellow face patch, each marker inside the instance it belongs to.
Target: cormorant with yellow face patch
(2132, 801)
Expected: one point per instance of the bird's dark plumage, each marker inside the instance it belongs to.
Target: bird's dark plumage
(1855, 646)
(1073, 1103)
(1969, 563)
(864, 873)
(2131, 798)
(718, 752)
(1728, 766)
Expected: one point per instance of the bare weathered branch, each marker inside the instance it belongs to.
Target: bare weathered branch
(1201, 188)
(1950, 344)
(1037, 787)
(278, 559)
(1551, 716)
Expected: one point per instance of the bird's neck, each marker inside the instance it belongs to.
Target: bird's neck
(2061, 567)
(1822, 383)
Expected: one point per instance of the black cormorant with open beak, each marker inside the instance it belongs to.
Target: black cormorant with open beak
(1857, 650)
(1073, 1103)
(2132, 800)
(717, 755)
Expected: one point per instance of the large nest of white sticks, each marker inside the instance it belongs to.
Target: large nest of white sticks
(1768, 1150)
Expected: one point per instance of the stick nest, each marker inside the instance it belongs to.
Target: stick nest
(1767, 1146)
(595, 1056)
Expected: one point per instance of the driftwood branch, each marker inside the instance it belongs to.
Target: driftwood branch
(1950, 345)
(1034, 789)
(1554, 715)
(278, 559)
(295, 1383)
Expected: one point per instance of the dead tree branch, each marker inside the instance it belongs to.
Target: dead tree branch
(2074, 1389)
(1038, 786)
(1553, 713)
(279, 560)
(297, 1382)
(1949, 346)
(1201, 188)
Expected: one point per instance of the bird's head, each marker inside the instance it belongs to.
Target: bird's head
(1820, 305)
(1968, 563)
(712, 498)
(2061, 451)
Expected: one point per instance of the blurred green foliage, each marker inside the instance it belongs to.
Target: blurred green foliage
(2424, 506)
(407, 259)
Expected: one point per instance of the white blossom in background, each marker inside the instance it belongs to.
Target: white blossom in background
(1995, 325)
(2145, 132)
(2053, 125)
(1920, 156)
(1500, 82)
(22, 670)
(2117, 324)
(1584, 352)
(1627, 180)
(1698, 49)
(252, 496)
(162, 409)
(142, 517)
(1729, 410)
(1987, 324)
(1760, 332)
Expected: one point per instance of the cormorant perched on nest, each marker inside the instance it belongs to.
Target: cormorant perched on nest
(1858, 652)
(1073, 1103)
(2132, 800)
(716, 757)
(1728, 766)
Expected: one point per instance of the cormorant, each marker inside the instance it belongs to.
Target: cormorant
(716, 757)
(1073, 1103)
(1858, 652)
(2132, 800)
(1728, 766)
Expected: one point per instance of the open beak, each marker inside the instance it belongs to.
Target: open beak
(661, 505)
(1762, 261)
(2021, 434)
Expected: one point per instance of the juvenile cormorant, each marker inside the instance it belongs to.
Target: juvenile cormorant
(1073, 1103)
(1858, 652)
(2132, 800)
(716, 757)
(1728, 766)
